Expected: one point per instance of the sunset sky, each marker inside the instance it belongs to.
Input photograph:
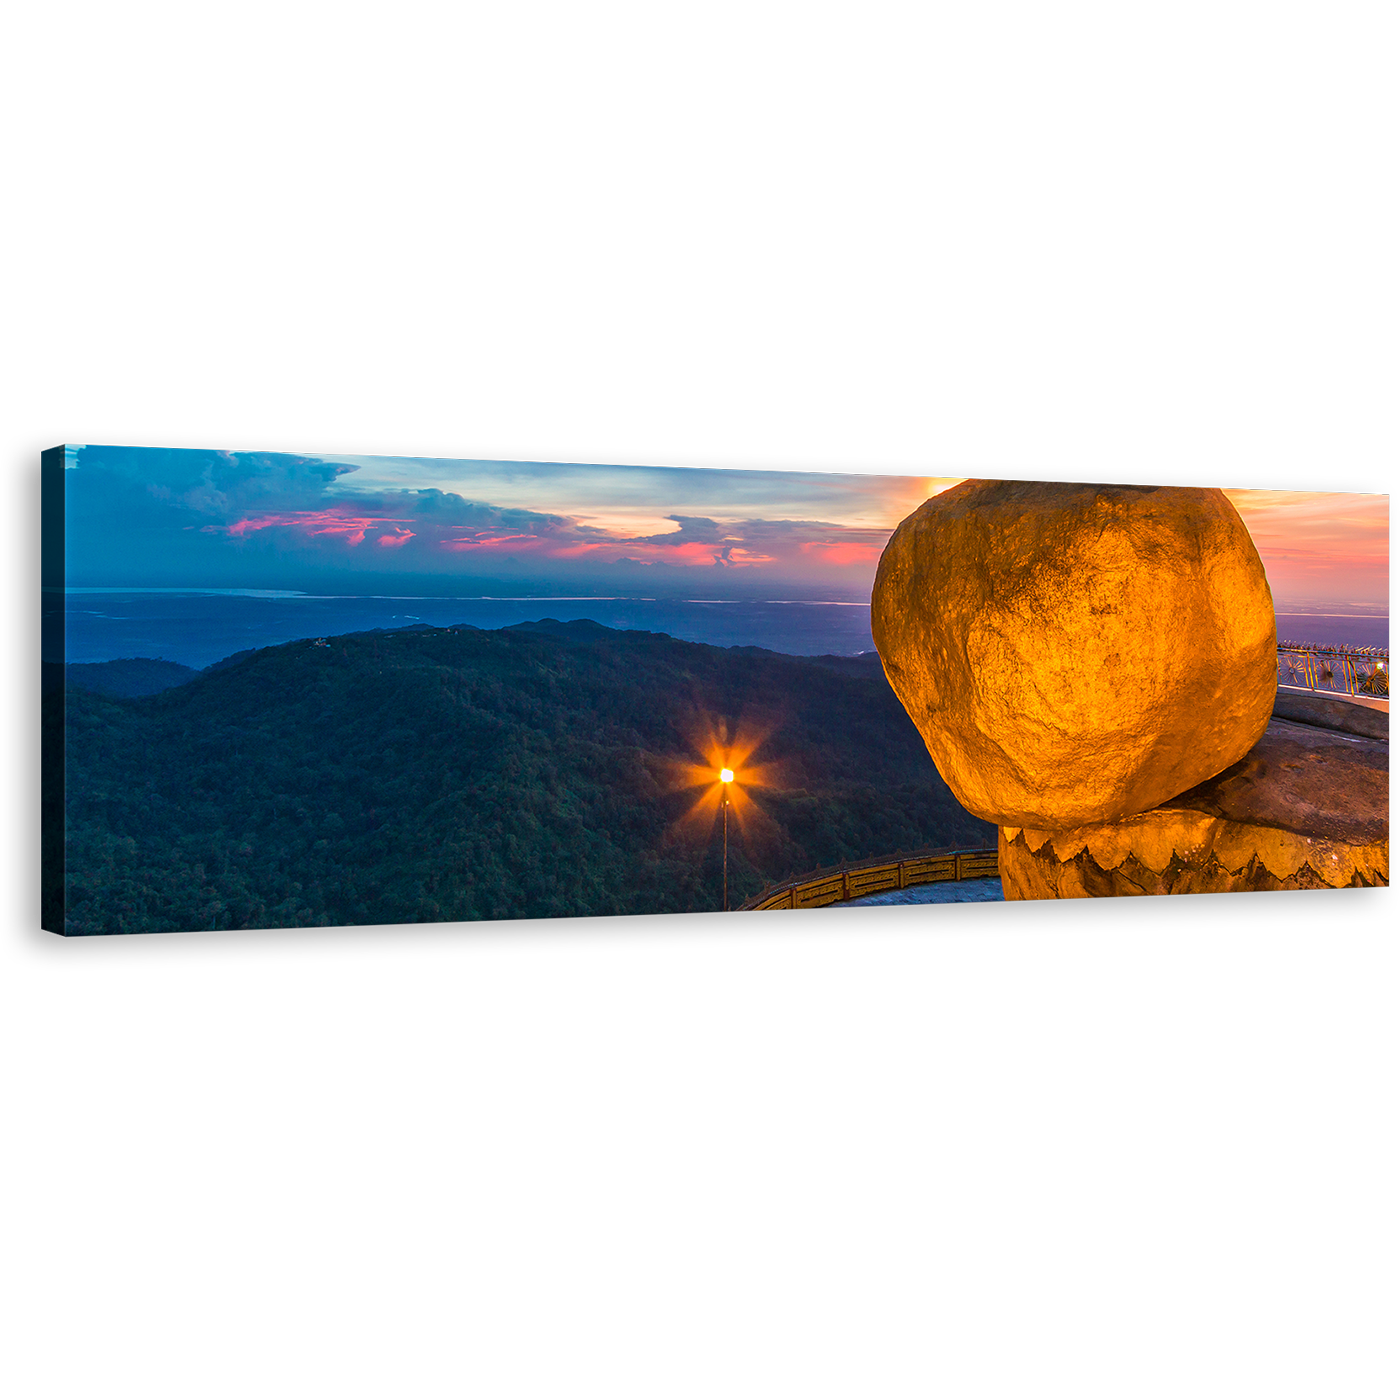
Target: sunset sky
(141, 517)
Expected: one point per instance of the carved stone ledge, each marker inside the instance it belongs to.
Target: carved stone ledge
(1306, 808)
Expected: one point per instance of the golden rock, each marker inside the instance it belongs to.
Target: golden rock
(1073, 653)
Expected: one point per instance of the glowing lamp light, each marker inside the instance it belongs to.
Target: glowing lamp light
(726, 776)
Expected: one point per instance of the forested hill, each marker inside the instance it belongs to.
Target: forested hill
(140, 675)
(430, 774)
(144, 675)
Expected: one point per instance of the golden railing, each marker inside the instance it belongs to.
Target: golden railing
(1346, 670)
(836, 884)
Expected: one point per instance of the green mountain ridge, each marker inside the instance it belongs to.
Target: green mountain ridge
(454, 774)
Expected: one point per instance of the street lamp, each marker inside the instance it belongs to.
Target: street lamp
(726, 776)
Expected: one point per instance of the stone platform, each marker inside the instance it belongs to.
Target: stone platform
(1306, 808)
(1353, 714)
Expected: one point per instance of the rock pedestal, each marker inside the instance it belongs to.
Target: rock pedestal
(1306, 808)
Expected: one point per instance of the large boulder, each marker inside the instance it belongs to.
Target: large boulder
(1075, 654)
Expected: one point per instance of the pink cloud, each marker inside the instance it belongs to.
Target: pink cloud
(842, 552)
(486, 539)
(350, 528)
(691, 552)
(805, 548)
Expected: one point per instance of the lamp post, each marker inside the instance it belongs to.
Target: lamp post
(726, 776)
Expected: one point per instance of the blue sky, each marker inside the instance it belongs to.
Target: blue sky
(188, 518)
(166, 517)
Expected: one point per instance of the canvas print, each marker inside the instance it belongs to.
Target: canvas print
(285, 690)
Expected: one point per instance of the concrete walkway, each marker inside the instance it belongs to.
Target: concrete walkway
(939, 892)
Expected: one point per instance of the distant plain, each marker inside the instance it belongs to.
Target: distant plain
(199, 627)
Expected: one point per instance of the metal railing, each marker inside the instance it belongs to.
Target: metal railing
(1344, 670)
(837, 883)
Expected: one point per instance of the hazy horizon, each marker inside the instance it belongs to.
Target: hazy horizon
(198, 627)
